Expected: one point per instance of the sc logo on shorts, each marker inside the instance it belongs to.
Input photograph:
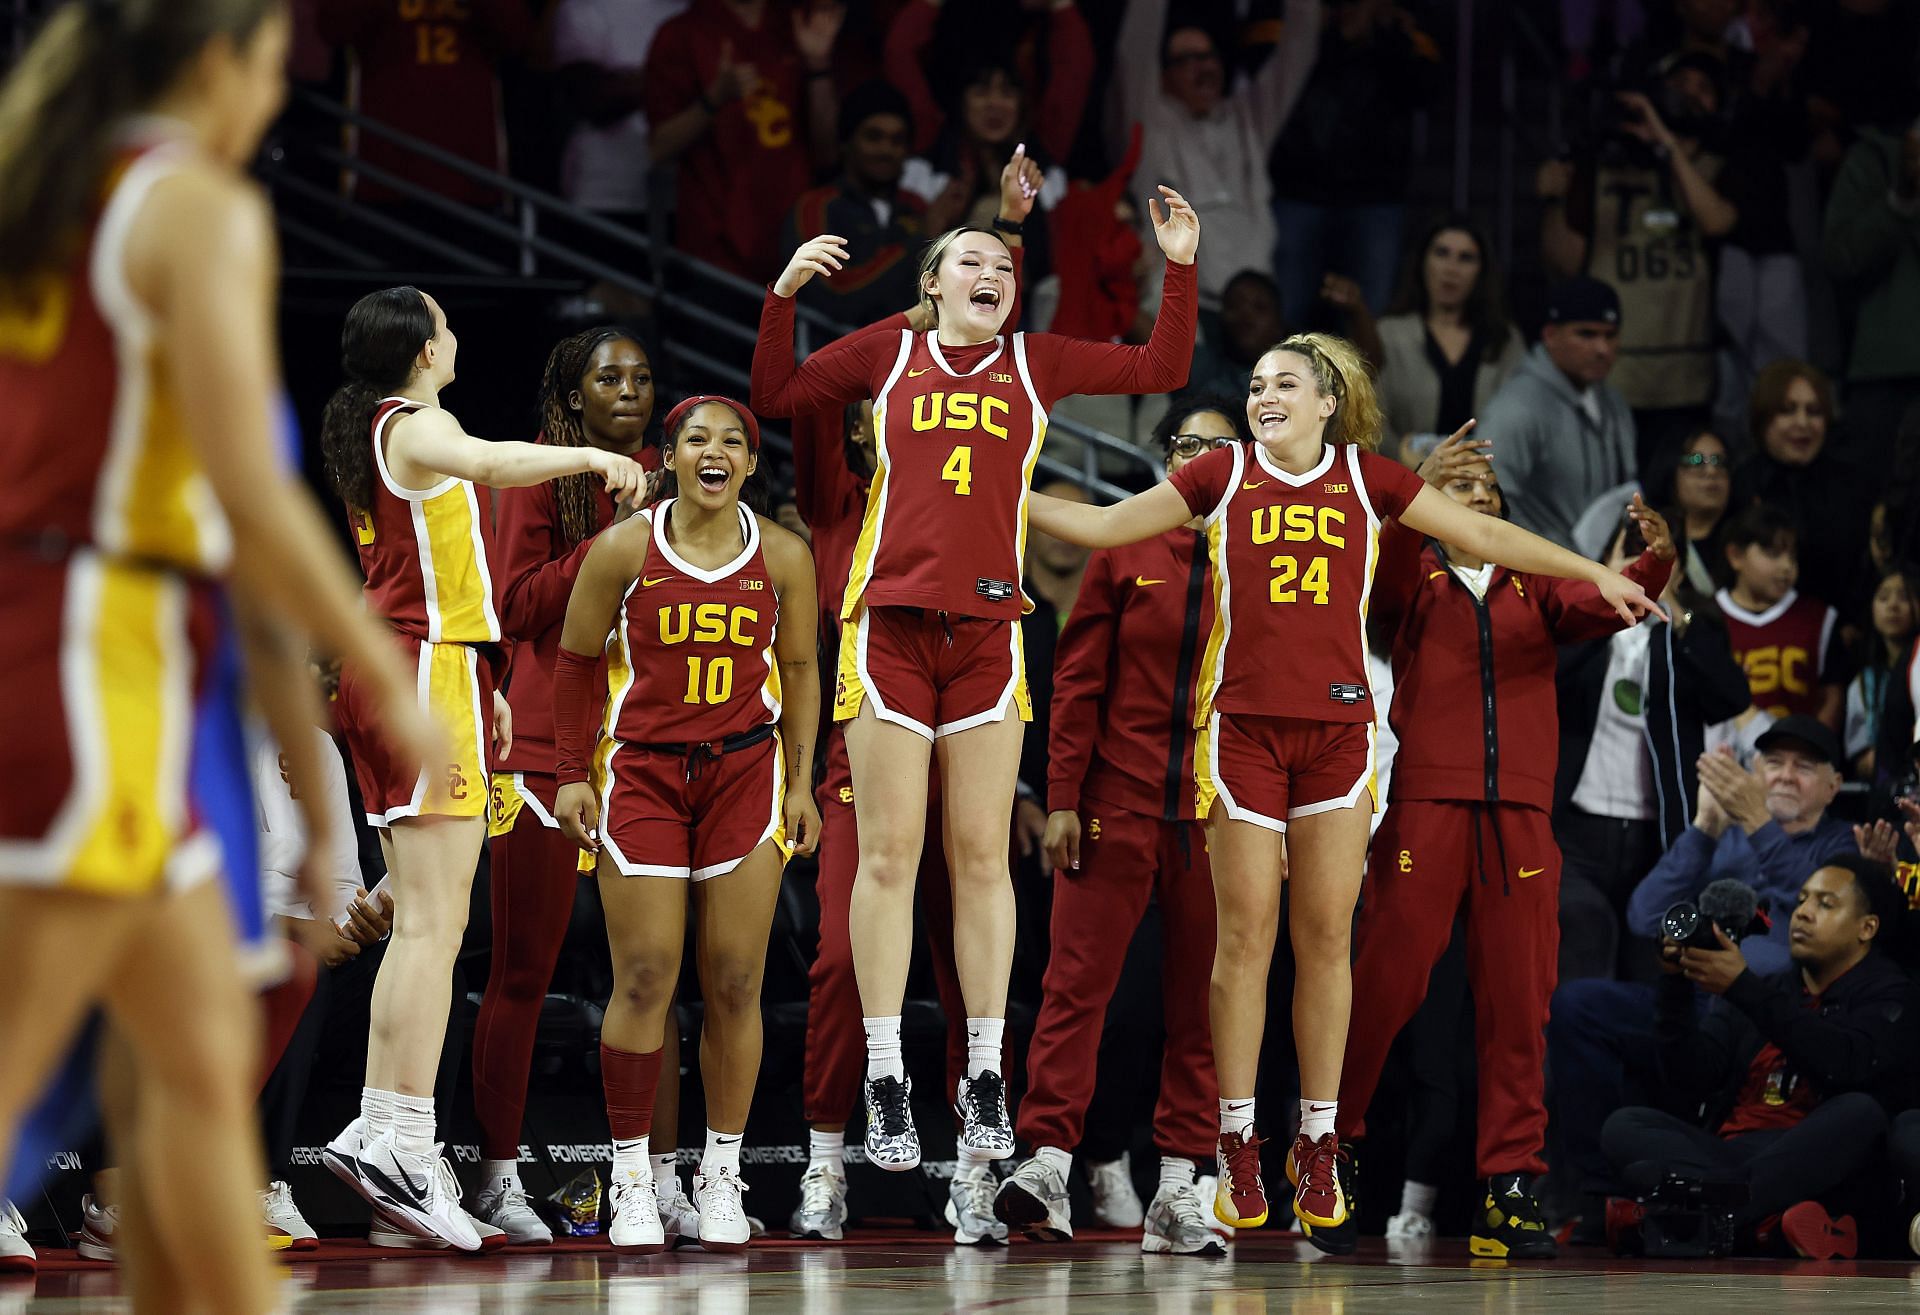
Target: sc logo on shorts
(1093, 828)
(1406, 860)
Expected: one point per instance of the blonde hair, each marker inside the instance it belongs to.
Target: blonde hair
(1343, 374)
(936, 252)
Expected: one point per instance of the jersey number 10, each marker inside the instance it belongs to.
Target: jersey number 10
(709, 680)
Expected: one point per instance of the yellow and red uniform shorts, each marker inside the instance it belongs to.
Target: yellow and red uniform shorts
(1269, 770)
(455, 683)
(667, 813)
(934, 673)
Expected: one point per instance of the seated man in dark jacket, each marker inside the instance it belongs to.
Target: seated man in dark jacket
(1792, 1068)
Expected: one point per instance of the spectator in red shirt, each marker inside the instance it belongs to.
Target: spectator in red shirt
(740, 95)
(1796, 1064)
(428, 69)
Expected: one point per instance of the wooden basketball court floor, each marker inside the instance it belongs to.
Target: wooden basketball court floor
(907, 1274)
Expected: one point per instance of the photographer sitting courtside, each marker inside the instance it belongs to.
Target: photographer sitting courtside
(1788, 1066)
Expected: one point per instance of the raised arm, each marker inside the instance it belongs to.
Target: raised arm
(838, 373)
(907, 38)
(1277, 86)
(1142, 516)
(1494, 540)
(795, 649)
(431, 442)
(1070, 64)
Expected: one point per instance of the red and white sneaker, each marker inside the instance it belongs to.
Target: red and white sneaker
(1319, 1197)
(1240, 1199)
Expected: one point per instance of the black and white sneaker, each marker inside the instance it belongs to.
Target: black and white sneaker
(410, 1190)
(892, 1141)
(981, 1106)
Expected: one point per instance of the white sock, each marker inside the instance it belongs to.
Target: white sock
(492, 1171)
(1176, 1172)
(1236, 1116)
(828, 1149)
(983, 1045)
(376, 1110)
(630, 1156)
(971, 1163)
(1054, 1158)
(1316, 1117)
(666, 1170)
(723, 1152)
(413, 1124)
(883, 1048)
(1418, 1198)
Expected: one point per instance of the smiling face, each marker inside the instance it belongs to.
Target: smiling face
(1284, 403)
(1799, 785)
(1798, 430)
(972, 288)
(615, 396)
(1451, 269)
(709, 456)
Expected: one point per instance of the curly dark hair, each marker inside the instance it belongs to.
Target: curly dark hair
(1182, 407)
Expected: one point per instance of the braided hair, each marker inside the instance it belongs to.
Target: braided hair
(563, 425)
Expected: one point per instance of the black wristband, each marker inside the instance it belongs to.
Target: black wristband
(1013, 226)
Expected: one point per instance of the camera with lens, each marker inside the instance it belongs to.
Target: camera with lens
(1727, 904)
(1683, 1219)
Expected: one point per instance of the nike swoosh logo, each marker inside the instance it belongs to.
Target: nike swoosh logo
(1141, 581)
(915, 374)
(403, 1191)
(648, 584)
(1530, 872)
(725, 1141)
(1253, 484)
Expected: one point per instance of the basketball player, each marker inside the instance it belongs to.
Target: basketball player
(409, 477)
(1120, 831)
(597, 391)
(1286, 717)
(712, 702)
(932, 658)
(138, 476)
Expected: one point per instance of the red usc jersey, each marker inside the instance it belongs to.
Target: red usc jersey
(691, 657)
(1293, 559)
(1788, 651)
(959, 430)
(93, 451)
(424, 551)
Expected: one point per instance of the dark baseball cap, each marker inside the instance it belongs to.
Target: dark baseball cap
(1805, 733)
(1583, 301)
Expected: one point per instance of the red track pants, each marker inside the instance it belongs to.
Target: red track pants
(1502, 861)
(1124, 859)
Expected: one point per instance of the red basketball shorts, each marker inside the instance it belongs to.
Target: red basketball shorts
(1269, 770)
(655, 821)
(455, 683)
(936, 675)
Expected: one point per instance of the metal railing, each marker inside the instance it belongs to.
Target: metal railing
(678, 286)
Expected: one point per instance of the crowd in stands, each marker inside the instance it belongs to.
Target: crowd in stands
(1728, 251)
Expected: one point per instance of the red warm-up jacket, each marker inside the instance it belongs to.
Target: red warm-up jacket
(1124, 677)
(534, 570)
(1473, 691)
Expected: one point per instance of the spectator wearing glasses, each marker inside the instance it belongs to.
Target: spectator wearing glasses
(1206, 139)
(1702, 484)
(1120, 831)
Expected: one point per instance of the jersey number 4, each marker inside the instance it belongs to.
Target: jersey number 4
(709, 680)
(1313, 580)
(959, 469)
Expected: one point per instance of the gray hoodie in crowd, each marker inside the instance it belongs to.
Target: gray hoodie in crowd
(1552, 459)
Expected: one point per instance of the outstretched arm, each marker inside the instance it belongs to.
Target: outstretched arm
(1495, 540)
(1142, 516)
(431, 442)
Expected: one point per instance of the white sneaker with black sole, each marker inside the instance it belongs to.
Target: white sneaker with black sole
(409, 1189)
(16, 1253)
(279, 1212)
(97, 1225)
(723, 1219)
(981, 1106)
(893, 1143)
(1115, 1202)
(1033, 1199)
(1175, 1223)
(678, 1219)
(821, 1215)
(503, 1202)
(391, 1229)
(635, 1227)
(970, 1198)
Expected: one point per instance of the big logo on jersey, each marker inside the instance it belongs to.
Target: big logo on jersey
(1299, 523)
(959, 411)
(707, 623)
